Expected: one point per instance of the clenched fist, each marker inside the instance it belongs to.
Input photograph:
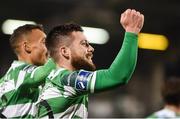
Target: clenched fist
(132, 21)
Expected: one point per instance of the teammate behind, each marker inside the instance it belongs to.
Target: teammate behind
(65, 94)
(19, 86)
(171, 96)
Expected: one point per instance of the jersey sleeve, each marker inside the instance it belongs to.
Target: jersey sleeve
(81, 81)
(122, 67)
(35, 76)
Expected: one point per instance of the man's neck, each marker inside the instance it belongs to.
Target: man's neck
(24, 59)
(66, 65)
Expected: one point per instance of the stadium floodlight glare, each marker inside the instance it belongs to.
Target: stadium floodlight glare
(152, 41)
(96, 35)
(10, 25)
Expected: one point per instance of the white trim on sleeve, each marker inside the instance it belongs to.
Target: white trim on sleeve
(93, 80)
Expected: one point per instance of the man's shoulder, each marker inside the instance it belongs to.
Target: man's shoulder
(60, 72)
(14, 69)
(18, 70)
(23, 66)
(163, 113)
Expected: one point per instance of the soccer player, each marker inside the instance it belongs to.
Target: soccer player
(65, 94)
(19, 87)
(171, 96)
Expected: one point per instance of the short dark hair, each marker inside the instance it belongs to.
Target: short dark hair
(19, 32)
(59, 35)
(171, 91)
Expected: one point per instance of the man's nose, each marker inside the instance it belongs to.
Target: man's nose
(91, 49)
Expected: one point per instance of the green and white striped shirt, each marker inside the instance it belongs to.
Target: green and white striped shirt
(65, 94)
(19, 89)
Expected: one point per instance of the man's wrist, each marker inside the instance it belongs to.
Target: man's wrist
(131, 34)
(135, 31)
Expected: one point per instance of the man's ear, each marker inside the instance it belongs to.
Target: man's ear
(27, 47)
(65, 52)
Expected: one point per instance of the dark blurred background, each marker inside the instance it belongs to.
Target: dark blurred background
(141, 96)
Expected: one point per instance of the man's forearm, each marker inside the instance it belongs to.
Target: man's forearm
(122, 67)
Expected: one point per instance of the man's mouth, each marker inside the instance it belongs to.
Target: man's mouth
(89, 57)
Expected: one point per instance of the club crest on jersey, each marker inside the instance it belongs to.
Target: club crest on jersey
(82, 80)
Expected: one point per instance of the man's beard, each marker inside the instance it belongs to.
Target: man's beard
(79, 63)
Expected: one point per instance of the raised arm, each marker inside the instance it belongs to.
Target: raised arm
(124, 64)
(122, 67)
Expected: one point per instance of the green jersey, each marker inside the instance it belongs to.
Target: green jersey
(19, 89)
(65, 94)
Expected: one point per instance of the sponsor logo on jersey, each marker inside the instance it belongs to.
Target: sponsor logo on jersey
(82, 80)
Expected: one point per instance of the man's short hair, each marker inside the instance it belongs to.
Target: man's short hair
(58, 36)
(15, 38)
(171, 91)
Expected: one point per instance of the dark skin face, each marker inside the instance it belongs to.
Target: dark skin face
(81, 52)
(36, 47)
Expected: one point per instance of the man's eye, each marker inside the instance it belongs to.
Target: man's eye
(85, 44)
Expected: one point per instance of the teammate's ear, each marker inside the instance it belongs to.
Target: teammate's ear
(65, 52)
(27, 48)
